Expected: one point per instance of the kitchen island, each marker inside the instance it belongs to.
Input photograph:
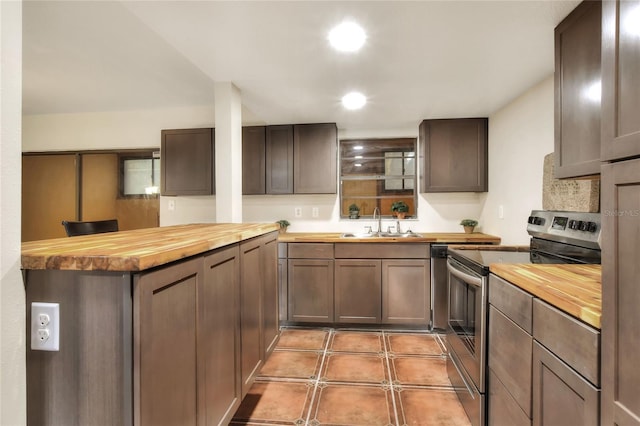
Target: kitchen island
(157, 326)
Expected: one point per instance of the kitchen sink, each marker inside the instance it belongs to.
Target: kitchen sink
(380, 235)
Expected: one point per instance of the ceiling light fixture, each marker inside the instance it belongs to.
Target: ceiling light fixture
(347, 37)
(354, 100)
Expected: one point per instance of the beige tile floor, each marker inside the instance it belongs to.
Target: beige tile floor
(350, 378)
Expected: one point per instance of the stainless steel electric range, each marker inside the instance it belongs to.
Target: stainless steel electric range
(557, 237)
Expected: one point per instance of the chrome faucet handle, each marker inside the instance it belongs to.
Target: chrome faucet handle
(368, 229)
(398, 227)
(389, 228)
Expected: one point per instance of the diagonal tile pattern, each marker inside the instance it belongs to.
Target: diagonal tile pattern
(333, 377)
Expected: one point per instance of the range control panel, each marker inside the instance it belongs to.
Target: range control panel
(582, 229)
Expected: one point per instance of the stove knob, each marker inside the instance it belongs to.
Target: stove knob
(584, 226)
(538, 221)
(593, 227)
(571, 224)
(576, 225)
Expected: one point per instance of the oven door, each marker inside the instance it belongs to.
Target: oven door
(467, 320)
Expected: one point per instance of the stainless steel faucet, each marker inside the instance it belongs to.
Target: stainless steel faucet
(398, 230)
(379, 218)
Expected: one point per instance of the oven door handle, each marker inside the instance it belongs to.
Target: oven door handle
(468, 278)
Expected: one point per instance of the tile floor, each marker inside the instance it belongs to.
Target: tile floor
(349, 377)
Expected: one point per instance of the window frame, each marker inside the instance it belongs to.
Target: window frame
(137, 155)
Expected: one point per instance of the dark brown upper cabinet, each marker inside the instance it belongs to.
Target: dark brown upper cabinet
(253, 160)
(315, 158)
(454, 155)
(620, 80)
(187, 162)
(279, 159)
(578, 92)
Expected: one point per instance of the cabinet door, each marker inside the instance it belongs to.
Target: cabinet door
(253, 160)
(510, 358)
(219, 336)
(502, 409)
(282, 289)
(406, 293)
(577, 92)
(270, 293)
(187, 159)
(620, 79)
(454, 155)
(166, 359)
(358, 291)
(620, 293)
(279, 159)
(310, 290)
(315, 161)
(560, 395)
(251, 313)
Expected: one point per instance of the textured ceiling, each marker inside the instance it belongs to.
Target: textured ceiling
(422, 59)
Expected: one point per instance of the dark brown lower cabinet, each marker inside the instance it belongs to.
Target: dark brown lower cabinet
(250, 313)
(358, 291)
(219, 336)
(166, 354)
(310, 290)
(406, 295)
(270, 294)
(503, 409)
(282, 290)
(560, 395)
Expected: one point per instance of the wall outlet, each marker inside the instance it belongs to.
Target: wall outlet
(45, 326)
(171, 205)
(314, 212)
(500, 211)
(297, 212)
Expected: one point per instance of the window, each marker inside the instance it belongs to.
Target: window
(377, 173)
(139, 174)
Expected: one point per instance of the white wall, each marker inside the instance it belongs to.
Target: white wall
(520, 135)
(12, 298)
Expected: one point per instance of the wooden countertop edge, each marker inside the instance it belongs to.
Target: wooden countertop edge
(586, 307)
(173, 249)
(427, 237)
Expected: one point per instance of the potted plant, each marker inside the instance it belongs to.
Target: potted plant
(468, 225)
(354, 211)
(400, 208)
(284, 223)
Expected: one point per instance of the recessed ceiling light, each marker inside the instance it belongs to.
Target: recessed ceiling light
(347, 37)
(354, 100)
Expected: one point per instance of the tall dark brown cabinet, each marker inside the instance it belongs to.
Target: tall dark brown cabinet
(315, 162)
(621, 213)
(253, 161)
(187, 162)
(279, 159)
(577, 92)
(454, 155)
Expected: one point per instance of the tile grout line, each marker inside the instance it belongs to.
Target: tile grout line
(391, 387)
(317, 379)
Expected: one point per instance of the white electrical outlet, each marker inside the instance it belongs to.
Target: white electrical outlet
(171, 205)
(297, 212)
(500, 211)
(314, 212)
(45, 326)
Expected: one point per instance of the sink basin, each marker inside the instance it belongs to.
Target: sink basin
(379, 235)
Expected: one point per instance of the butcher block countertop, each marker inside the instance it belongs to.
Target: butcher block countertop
(574, 289)
(136, 250)
(427, 237)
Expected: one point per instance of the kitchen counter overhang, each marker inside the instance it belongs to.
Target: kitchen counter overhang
(136, 250)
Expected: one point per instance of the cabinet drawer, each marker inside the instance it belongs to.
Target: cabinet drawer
(310, 251)
(574, 342)
(503, 409)
(381, 251)
(511, 301)
(510, 357)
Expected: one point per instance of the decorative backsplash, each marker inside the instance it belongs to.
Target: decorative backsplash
(579, 195)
